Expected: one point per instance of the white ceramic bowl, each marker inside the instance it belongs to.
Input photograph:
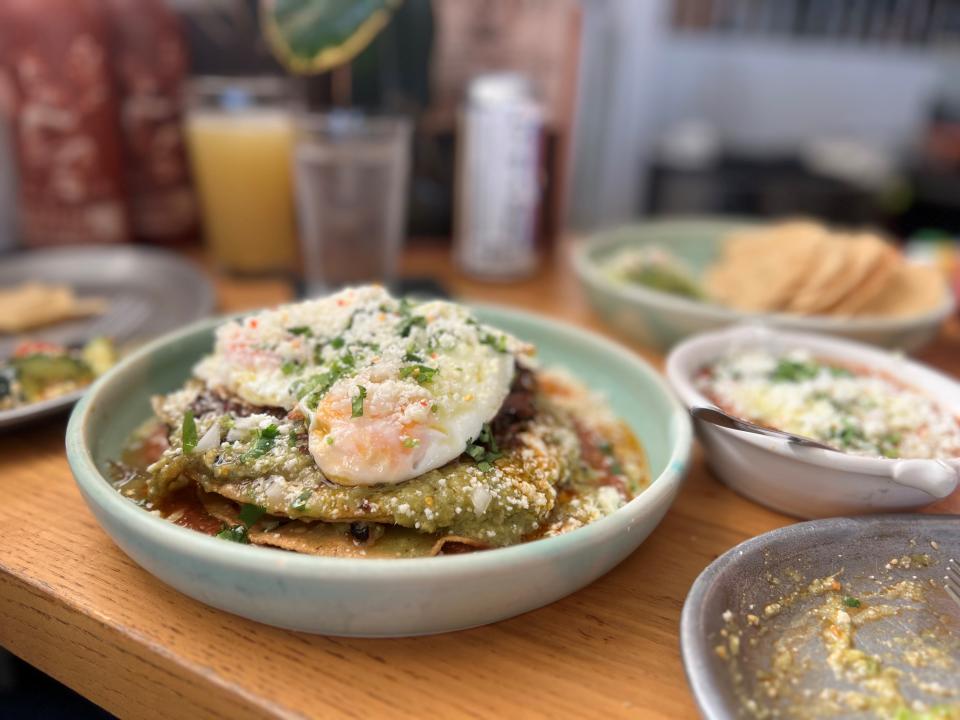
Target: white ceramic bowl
(376, 597)
(808, 482)
(660, 320)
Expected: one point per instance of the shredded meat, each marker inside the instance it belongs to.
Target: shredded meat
(213, 401)
(518, 408)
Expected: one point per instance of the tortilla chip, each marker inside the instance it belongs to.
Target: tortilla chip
(874, 264)
(828, 281)
(762, 269)
(335, 540)
(913, 289)
(32, 305)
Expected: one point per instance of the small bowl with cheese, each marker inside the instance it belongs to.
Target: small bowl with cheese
(894, 423)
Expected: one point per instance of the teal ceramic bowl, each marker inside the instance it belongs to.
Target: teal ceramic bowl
(358, 597)
(660, 320)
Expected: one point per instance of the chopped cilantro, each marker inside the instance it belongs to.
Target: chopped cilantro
(348, 360)
(300, 504)
(434, 408)
(889, 445)
(237, 534)
(357, 405)
(300, 330)
(329, 439)
(189, 433)
(410, 442)
(337, 343)
(250, 514)
(409, 322)
(497, 342)
(483, 451)
(849, 435)
(851, 602)
(262, 443)
(794, 371)
(423, 374)
(412, 356)
(318, 353)
(316, 386)
(290, 366)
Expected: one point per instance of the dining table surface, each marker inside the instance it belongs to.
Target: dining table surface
(74, 606)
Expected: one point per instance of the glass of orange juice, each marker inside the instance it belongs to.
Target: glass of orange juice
(240, 133)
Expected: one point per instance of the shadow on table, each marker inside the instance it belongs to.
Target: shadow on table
(28, 694)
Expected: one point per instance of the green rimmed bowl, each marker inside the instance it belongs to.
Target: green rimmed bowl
(660, 320)
(377, 598)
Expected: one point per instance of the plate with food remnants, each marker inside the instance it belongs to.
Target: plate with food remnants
(841, 618)
(66, 313)
(660, 281)
(891, 424)
(366, 465)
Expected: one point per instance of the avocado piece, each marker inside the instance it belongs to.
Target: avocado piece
(100, 355)
(38, 372)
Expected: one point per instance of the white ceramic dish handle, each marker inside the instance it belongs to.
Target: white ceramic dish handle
(939, 478)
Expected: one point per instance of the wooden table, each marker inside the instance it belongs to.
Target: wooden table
(75, 606)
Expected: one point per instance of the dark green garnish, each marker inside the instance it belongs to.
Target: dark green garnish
(289, 367)
(357, 405)
(497, 342)
(337, 343)
(412, 356)
(851, 602)
(189, 432)
(794, 371)
(300, 504)
(262, 443)
(434, 408)
(409, 322)
(237, 534)
(316, 386)
(849, 435)
(300, 330)
(890, 445)
(484, 450)
(423, 374)
(250, 514)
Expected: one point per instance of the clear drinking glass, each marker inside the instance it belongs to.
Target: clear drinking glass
(240, 132)
(350, 180)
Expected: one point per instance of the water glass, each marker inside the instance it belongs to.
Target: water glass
(351, 173)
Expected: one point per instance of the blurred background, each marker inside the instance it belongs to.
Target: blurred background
(141, 121)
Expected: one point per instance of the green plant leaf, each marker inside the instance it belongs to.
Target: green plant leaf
(313, 36)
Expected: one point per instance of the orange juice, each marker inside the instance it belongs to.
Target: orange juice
(241, 165)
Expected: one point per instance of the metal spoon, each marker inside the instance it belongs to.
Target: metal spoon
(718, 417)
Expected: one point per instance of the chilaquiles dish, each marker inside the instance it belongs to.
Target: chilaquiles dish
(360, 425)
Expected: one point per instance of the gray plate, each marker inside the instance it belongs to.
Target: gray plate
(861, 548)
(149, 292)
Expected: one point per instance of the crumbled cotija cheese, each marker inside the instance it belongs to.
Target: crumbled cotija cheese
(859, 412)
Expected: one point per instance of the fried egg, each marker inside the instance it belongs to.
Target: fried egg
(390, 389)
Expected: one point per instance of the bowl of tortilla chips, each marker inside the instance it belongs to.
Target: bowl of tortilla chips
(660, 281)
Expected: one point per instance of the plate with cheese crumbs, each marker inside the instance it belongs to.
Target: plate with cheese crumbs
(844, 619)
(65, 312)
(361, 441)
(661, 281)
(893, 424)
